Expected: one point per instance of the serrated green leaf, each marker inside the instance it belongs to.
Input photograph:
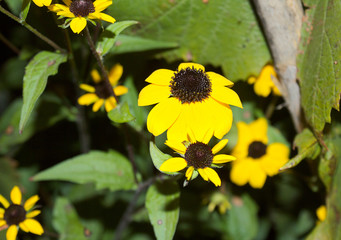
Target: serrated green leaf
(106, 170)
(127, 44)
(108, 37)
(221, 32)
(121, 114)
(319, 63)
(162, 203)
(159, 157)
(43, 65)
(66, 221)
(24, 9)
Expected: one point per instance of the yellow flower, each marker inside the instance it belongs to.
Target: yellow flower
(188, 98)
(17, 215)
(263, 84)
(100, 94)
(321, 213)
(220, 201)
(81, 10)
(197, 156)
(255, 158)
(41, 3)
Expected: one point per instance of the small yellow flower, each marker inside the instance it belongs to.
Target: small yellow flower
(16, 215)
(220, 201)
(81, 10)
(197, 156)
(321, 213)
(41, 3)
(100, 94)
(188, 99)
(255, 158)
(263, 84)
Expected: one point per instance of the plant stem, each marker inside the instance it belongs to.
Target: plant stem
(271, 107)
(33, 30)
(9, 44)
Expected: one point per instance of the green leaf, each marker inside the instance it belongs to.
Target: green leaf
(107, 170)
(66, 221)
(121, 114)
(24, 9)
(43, 65)
(319, 64)
(308, 147)
(14, 5)
(126, 44)
(159, 157)
(222, 33)
(8, 176)
(162, 203)
(108, 37)
(241, 220)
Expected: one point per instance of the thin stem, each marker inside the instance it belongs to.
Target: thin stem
(9, 44)
(33, 30)
(100, 63)
(271, 107)
(130, 150)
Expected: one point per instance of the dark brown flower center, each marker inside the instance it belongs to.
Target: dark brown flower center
(199, 155)
(82, 8)
(102, 90)
(14, 214)
(257, 149)
(190, 85)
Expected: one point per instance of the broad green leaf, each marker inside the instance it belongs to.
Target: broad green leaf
(108, 37)
(24, 9)
(43, 65)
(159, 157)
(126, 44)
(66, 221)
(121, 114)
(319, 65)
(241, 220)
(222, 33)
(308, 147)
(162, 203)
(107, 170)
(14, 6)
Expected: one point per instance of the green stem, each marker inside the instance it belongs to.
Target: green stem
(33, 30)
(9, 44)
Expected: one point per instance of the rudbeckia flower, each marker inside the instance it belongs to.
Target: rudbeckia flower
(197, 156)
(15, 215)
(188, 98)
(263, 84)
(100, 94)
(41, 3)
(256, 159)
(81, 10)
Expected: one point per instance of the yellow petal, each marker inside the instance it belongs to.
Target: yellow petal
(12, 232)
(176, 145)
(100, 5)
(78, 24)
(219, 79)
(278, 149)
(262, 89)
(110, 104)
(220, 145)
(257, 177)
(213, 176)
(321, 213)
(163, 115)
(67, 2)
(223, 158)
(87, 88)
(33, 226)
(96, 77)
(191, 65)
(173, 164)
(47, 2)
(30, 202)
(4, 201)
(222, 118)
(16, 195)
(24, 227)
(2, 223)
(102, 16)
(115, 74)
(226, 95)
(189, 173)
(161, 77)
(120, 90)
(87, 99)
(251, 80)
(152, 94)
(33, 214)
(180, 128)
(97, 105)
(39, 3)
(200, 119)
(2, 211)
(259, 130)
(240, 172)
(203, 174)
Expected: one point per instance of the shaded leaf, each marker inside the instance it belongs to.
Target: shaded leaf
(107, 170)
(159, 157)
(121, 114)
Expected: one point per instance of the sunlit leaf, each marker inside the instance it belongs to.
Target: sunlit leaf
(24, 9)
(121, 114)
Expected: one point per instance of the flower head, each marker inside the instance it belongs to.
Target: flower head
(81, 10)
(263, 84)
(256, 159)
(188, 99)
(41, 3)
(16, 215)
(197, 156)
(100, 94)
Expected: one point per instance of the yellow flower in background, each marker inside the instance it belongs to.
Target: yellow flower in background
(220, 201)
(41, 3)
(321, 213)
(188, 99)
(263, 84)
(100, 94)
(256, 159)
(16, 215)
(81, 10)
(197, 156)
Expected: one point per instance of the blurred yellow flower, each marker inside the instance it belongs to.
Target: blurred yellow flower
(255, 158)
(263, 84)
(81, 10)
(220, 201)
(100, 94)
(197, 156)
(188, 99)
(17, 215)
(321, 213)
(41, 3)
